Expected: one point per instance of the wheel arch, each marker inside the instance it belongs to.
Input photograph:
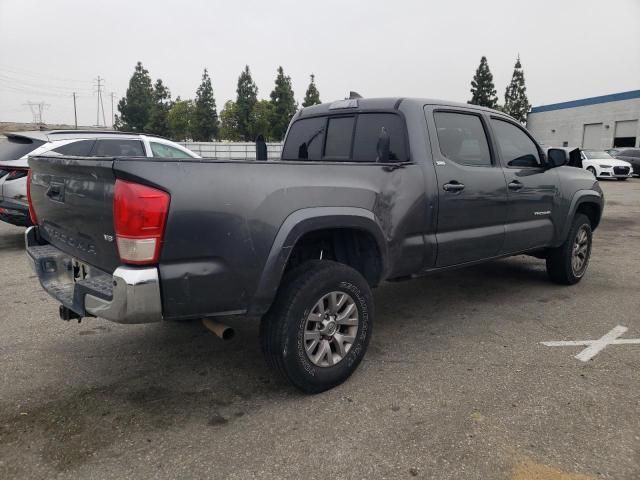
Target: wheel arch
(588, 202)
(308, 221)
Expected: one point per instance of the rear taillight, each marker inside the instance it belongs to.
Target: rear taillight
(32, 210)
(139, 217)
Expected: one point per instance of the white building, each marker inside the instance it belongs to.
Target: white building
(597, 123)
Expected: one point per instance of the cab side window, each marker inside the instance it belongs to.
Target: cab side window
(517, 150)
(462, 138)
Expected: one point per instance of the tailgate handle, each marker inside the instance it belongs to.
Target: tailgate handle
(56, 192)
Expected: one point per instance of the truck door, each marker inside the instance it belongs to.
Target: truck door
(472, 192)
(531, 187)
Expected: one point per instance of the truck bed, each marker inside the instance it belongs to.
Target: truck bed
(223, 220)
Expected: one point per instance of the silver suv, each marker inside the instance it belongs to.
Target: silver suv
(15, 149)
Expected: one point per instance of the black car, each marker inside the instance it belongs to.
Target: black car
(628, 154)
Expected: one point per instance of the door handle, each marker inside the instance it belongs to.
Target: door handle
(515, 185)
(453, 186)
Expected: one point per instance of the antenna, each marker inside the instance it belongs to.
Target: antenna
(36, 110)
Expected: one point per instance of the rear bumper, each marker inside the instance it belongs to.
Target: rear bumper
(129, 295)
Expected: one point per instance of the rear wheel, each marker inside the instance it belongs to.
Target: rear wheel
(568, 263)
(319, 327)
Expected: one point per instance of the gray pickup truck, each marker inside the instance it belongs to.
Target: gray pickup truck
(366, 190)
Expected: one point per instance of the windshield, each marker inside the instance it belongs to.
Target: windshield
(13, 148)
(596, 155)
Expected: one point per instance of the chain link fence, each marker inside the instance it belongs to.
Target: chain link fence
(232, 150)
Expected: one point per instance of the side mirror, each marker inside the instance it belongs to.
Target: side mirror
(556, 157)
(383, 146)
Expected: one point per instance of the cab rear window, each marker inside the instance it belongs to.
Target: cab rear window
(353, 138)
(305, 139)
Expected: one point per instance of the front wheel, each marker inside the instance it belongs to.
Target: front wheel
(568, 263)
(319, 327)
(593, 171)
(622, 179)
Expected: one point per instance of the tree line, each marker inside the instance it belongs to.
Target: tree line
(147, 107)
(483, 91)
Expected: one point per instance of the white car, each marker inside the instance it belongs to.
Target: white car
(17, 147)
(603, 165)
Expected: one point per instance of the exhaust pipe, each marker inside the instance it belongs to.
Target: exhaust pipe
(221, 330)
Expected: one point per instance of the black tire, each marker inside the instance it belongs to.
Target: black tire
(622, 179)
(592, 170)
(560, 266)
(282, 330)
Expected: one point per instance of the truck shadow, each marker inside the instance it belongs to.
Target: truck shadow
(150, 378)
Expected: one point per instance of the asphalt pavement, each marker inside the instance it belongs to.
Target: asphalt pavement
(456, 383)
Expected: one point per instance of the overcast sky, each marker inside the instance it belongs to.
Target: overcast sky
(569, 49)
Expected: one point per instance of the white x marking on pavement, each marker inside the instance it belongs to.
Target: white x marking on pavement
(596, 346)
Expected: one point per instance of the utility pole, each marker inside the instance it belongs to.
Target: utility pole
(75, 112)
(112, 94)
(99, 85)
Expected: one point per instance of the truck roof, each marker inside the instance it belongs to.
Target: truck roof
(382, 103)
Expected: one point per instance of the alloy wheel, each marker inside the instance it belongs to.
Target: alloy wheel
(331, 329)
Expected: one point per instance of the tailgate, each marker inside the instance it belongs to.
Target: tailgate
(73, 198)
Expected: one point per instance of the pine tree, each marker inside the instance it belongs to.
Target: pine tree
(312, 97)
(261, 119)
(135, 106)
(179, 119)
(284, 105)
(158, 122)
(483, 91)
(204, 126)
(229, 122)
(516, 102)
(247, 96)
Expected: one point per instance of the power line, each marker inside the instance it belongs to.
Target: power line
(38, 75)
(43, 85)
(32, 91)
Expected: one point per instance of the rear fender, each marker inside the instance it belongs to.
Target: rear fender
(293, 228)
